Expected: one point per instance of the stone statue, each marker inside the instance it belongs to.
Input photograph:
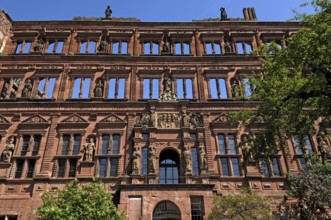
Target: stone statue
(39, 46)
(152, 120)
(8, 151)
(224, 15)
(202, 157)
(228, 47)
(186, 119)
(144, 120)
(234, 89)
(136, 161)
(103, 46)
(166, 48)
(89, 150)
(188, 159)
(195, 120)
(108, 12)
(151, 159)
(167, 83)
(324, 148)
(167, 94)
(98, 90)
(26, 92)
(246, 147)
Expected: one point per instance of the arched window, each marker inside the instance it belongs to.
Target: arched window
(169, 167)
(166, 210)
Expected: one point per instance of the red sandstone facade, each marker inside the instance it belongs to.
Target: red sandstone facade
(65, 82)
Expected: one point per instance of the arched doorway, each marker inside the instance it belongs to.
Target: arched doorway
(166, 210)
(169, 167)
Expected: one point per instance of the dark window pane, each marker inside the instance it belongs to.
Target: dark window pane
(116, 144)
(275, 166)
(103, 167)
(221, 144)
(77, 141)
(265, 169)
(61, 167)
(36, 145)
(308, 144)
(144, 151)
(31, 164)
(196, 208)
(195, 164)
(72, 167)
(303, 163)
(113, 166)
(232, 144)
(225, 167)
(193, 136)
(145, 136)
(25, 146)
(19, 168)
(105, 144)
(235, 166)
(65, 144)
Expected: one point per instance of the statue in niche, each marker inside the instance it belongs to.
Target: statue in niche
(144, 120)
(186, 119)
(151, 159)
(8, 151)
(152, 120)
(89, 149)
(39, 46)
(108, 12)
(224, 15)
(167, 94)
(324, 148)
(103, 46)
(167, 83)
(188, 159)
(202, 157)
(235, 88)
(228, 43)
(136, 161)
(246, 147)
(98, 90)
(166, 48)
(195, 120)
(26, 92)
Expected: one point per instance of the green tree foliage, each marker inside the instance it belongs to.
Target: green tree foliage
(294, 88)
(247, 205)
(312, 189)
(90, 202)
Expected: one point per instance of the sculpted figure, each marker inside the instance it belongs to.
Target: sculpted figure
(89, 150)
(151, 159)
(144, 120)
(104, 46)
(8, 151)
(136, 161)
(98, 90)
(166, 44)
(39, 46)
(167, 83)
(324, 148)
(224, 15)
(186, 119)
(26, 92)
(202, 157)
(195, 120)
(188, 158)
(108, 12)
(234, 89)
(246, 148)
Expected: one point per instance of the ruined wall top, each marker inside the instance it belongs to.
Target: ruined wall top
(5, 22)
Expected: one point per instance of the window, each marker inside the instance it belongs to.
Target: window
(169, 167)
(88, 47)
(151, 88)
(218, 88)
(145, 136)
(71, 143)
(61, 167)
(7, 217)
(116, 88)
(302, 148)
(104, 167)
(23, 47)
(10, 87)
(31, 141)
(36, 145)
(105, 144)
(65, 144)
(19, 168)
(243, 47)
(271, 167)
(120, 47)
(113, 167)
(193, 136)
(66, 167)
(144, 158)
(182, 48)
(77, 142)
(31, 165)
(46, 87)
(81, 88)
(151, 48)
(197, 208)
(248, 87)
(116, 144)
(55, 46)
(195, 164)
(213, 47)
(184, 88)
(72, 167)
(25, 146)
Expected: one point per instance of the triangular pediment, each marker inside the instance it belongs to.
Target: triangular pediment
(112, 118)
(222, 118)
(35, 119)
(3, 120)
(74, 118)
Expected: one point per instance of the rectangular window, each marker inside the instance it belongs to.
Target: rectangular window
(184, 88)
(182, 48)
(197, 208)
(103, 167)
(77, 142)
(213, 48)
(10, 87)
(151, 89)
(193, 136)
(116, 144)
(144, 158)
(19, 168)
(72, 167)
(151, 48)
(299, 148)
(195, 163)
(265, 169)
(61, 167)
(31, 165)
(25, 146)
(113, 167)
(221, 144)
(46, 88)
(55, 46)
(232, 144)
(145, 136)
(88, 46)
(275, 166)
(247, 87)
(225, 167)
(116, 88)
(23, 47)
(36, 145)
(218, 89)
(243, 47)
(120, 47)
(65, 144)
(105, 144)
(235, 166)
(81, 88)
(303, 163)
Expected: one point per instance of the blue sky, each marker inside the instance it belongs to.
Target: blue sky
(149, 10)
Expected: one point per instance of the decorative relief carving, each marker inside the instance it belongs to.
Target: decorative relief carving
(98, 90)
(202, 157)
(188, 159)
(136, 160)
(111, 119)
(222, 118)
(152, 159)
(35, 119)
(74, 119)
(168, 120)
